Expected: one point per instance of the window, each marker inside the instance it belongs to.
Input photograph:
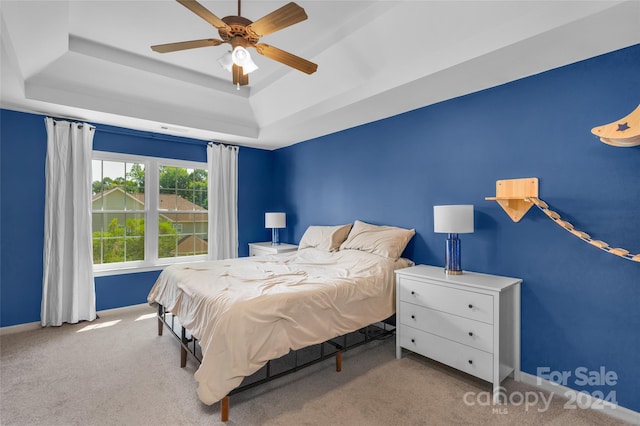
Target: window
(183, 220)
(147, 212)
(118, 211)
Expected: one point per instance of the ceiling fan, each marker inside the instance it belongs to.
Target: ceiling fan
(241, 33)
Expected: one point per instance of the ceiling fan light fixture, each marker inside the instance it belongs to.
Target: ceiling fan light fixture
(241, 57)
(242, 33)
(226, 61)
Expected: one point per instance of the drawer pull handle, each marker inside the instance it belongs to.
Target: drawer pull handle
(413, 317)
(471, 333)
(413, 340)
(470, 361)
(470, 306)
(413, 292)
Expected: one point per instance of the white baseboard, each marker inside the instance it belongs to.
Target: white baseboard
(20, 328)
(126, 309)
(597, 404)
(12, 329)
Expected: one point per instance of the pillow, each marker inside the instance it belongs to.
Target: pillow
(326, 238)
(387, 241)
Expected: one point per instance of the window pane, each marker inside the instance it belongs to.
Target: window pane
(192, 234)
(201, 198)
(134, 186)
(183, 190)
(134, 237)
(97, 187)
(108, 238)
(117, 186)
(168, 199)
(97, 219)
(167, 238)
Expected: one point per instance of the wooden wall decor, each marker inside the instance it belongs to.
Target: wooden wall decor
(516, 196)
(623, 133)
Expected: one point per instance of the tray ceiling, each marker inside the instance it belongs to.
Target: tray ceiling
(91, 61)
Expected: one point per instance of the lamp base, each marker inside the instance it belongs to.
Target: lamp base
(275, 240)
(452, 256)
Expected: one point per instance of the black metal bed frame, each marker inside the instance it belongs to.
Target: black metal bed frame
(189, 345)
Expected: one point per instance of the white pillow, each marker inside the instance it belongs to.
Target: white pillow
(326, 238)
(387, 241)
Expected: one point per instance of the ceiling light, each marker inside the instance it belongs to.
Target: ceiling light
(240, 56)
(226, 61)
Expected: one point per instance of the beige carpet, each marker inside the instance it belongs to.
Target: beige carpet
(117, 371)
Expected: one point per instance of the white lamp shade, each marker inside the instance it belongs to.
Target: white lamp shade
(249, 66)
(241, 57)
(226, 61)
(455, 219)
(275, 220)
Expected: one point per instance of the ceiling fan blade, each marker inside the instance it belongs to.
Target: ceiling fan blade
(287, 15)
(204, 13)
(286, 58)
(183, 45)
(239, 76)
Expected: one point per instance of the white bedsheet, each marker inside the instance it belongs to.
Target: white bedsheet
(247, 311)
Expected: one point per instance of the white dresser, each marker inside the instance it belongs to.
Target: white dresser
(261, 249)
(470, 322)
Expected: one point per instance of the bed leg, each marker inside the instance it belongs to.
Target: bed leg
(160, 323)
(183, 350)
(183, 357)
(224, 409)
(339, 361)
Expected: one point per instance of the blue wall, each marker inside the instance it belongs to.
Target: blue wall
(23, 141)
(23, 150)
(579, 304)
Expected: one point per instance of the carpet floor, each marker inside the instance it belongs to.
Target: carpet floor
(118, 371)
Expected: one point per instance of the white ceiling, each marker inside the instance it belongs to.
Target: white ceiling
(91, 60)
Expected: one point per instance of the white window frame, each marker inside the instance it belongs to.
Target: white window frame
(151, 210)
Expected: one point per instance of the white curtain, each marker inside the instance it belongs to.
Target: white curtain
(68, 288)
(222, 164)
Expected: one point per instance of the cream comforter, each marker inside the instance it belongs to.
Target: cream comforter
(248, 311)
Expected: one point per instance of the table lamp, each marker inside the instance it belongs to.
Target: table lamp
(275, 221)
(453, 220)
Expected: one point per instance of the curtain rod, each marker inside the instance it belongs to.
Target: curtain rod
(152, 135)
(212, 143)
(80, 125)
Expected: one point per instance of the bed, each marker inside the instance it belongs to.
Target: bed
(247, 311)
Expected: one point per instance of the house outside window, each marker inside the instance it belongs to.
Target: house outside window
(147, 212)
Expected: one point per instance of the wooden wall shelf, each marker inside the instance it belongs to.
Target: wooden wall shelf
(514, 196)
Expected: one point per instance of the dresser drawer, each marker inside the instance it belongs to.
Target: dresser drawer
(462, 330)
(468, 304)
(464, 358)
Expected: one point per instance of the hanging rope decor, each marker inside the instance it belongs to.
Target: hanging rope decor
(582, 235)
